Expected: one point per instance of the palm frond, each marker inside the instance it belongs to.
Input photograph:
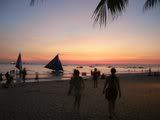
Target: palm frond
(100, 13)
(32, 2)
(106, 8)
(150, 4)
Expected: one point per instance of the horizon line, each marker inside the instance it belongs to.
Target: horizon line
(94, 64)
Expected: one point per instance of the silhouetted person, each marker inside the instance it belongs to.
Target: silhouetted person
(111, 90)
(76, 84)
(9, 80)
(7, 76)
(1, 77)
(149, 72)
(37, 77)
(24, 73)
(95, 77)
(91, 73)
(103, 76)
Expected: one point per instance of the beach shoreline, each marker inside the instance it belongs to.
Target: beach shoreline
(62, 78)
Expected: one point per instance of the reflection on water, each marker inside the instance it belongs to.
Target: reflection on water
(68, 69)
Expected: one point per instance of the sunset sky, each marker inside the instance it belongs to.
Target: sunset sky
(66, 27)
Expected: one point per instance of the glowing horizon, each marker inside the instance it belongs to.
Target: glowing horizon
(42, 31)
(77, 59)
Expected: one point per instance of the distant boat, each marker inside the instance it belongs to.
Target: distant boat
(65, 65)
(13, 63)
(141, 67)
(19, 62)
(109, 66)
(91, 66)
(55, 65)
(79, 66)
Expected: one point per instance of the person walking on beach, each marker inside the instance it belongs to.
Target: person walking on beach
(95, 77)
(24, 73)
(76, 84)
(149, 72)
(112, 90)
(1, 77)
(37, 77)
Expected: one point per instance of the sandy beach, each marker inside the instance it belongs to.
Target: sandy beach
(49, 100)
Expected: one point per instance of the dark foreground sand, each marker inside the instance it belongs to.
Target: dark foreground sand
(49, 101)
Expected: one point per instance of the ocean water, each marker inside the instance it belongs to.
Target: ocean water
(45, 73)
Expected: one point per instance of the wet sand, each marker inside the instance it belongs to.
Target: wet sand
(49, 100)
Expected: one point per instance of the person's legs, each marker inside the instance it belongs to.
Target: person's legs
(94, 83)
(110, 108)
(79, 102)
(24, 78)
(12, 83)
(75, 102)
(113, 107)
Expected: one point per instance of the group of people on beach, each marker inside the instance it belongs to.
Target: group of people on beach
(9, 77)
(9, 80)
(111, 89)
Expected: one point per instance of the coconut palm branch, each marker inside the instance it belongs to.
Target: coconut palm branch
(150, 4)
(32, 2)
(106, 8)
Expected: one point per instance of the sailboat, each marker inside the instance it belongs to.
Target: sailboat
(19, 62)
(55, 65)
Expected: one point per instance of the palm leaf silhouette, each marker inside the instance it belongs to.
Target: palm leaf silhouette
(150, 4)
(32, 2)
(106, 8)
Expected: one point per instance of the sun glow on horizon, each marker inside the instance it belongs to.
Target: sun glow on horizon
(41, 32)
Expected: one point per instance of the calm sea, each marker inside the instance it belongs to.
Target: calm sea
(68, 69)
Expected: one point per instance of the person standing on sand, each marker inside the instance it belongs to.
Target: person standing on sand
(111, 90)
(1, 77)
(149, 72)
(76, 83)
(95, 77)
(37, 77)
(9, 80)
(24, 73)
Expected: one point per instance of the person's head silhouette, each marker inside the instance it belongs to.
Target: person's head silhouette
(76, 72)
(113, 70)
